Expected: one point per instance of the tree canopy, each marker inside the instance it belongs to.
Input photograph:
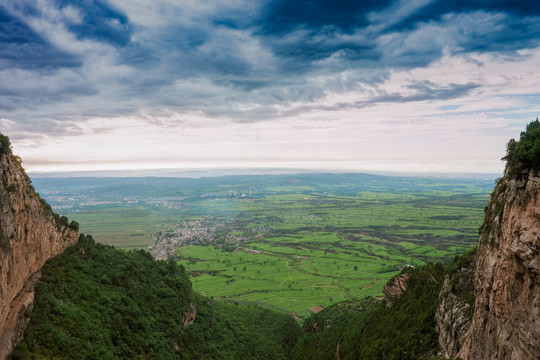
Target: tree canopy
(524, 155)
(5, 145)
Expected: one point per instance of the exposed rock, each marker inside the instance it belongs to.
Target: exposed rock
(394, 289)
(18, 318)
(189, 317)
(506, 321)
(29, 235)
(454, 313)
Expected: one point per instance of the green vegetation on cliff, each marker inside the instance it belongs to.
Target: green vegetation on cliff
(524, 155)
(406, 330)
(231, 331)
(368, 329)
(5, 145)
(96, 302)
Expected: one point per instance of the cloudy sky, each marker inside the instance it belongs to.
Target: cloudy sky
(376, 85)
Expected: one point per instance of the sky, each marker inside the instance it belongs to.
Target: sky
(426, 86)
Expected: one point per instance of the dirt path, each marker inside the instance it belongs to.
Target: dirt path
(20, 303)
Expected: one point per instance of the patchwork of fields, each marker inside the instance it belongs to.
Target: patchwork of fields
(292, 242)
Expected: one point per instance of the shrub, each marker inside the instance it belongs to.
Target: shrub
(5, 145)
(524, 155)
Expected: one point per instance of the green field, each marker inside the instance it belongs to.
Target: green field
(295, 243)
(317, 250)
(125, 228)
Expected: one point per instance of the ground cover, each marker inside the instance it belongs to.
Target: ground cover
(296, 243)
(125, 229)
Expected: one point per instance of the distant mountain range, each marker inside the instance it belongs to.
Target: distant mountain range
(199, 173)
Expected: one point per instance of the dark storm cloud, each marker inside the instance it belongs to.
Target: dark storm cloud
(438, 8)
(99, 22)
(21, 47)
(309, 31)
(60, 59)
(282, 16)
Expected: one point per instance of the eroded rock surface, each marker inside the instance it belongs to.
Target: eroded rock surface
(395, 289)
(29, 235)
(455, 309)
(506, 320)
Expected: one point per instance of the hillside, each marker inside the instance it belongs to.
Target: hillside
(96, 302)
(375, 330)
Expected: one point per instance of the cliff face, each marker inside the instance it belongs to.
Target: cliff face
(456, 305)
(506, 319)
(29, 235)
(394, 289)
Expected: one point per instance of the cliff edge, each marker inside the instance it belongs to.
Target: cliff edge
(506, 319)
(30, 233)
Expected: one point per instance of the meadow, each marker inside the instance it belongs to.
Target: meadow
(297, 243)
(131, 228)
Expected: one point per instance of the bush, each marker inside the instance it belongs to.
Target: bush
(5, 145)
(524, 155)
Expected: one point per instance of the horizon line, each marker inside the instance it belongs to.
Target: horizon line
(246, 171)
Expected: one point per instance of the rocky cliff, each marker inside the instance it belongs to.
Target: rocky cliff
(456, 305)
(506, 320)
(30, 233)
(395, 288)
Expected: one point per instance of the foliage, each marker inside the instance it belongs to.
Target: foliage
(404, 331)
(5, 145)
(462, 261)
(324, 330)
(524, 154)
(231, 331)
(74, 225)
(61, 221)
(96, 302)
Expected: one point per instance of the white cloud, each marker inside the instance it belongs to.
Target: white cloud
(189, 90)
(72, 14)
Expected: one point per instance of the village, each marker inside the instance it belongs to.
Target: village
(204, 232)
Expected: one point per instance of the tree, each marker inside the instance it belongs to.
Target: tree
(524, 155)
(5, 145)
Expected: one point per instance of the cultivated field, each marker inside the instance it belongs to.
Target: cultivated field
(293, 242)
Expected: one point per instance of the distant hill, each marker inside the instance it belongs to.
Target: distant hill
(202, 173)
